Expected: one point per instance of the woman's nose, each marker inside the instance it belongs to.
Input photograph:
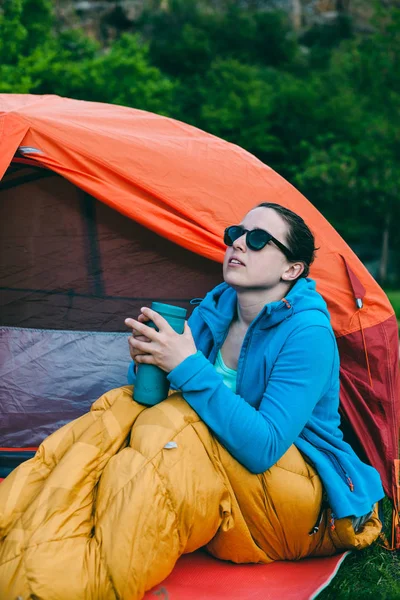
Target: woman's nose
(240, 243)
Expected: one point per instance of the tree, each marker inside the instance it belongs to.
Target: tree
(361, 161)
(13, 36)
(34, 60)
(236, 104)
(185, 38)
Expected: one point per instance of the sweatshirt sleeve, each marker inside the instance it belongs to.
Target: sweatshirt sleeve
(257, 438)
(131, 373)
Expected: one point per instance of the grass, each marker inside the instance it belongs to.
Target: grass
(372, 574)
(394, 297)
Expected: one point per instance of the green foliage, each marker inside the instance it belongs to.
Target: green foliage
(185, 40)
(76, 67)
(355, 166)
(394, 298)
(24, 25)
(236, 104)
(321, 39)
(13, 32)
(71, 64)
(129, 78)
(37, 18)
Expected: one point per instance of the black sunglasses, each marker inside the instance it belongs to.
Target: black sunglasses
(256, 239)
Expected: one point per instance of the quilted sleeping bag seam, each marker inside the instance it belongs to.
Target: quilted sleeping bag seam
(105, 564)
(168, 498)
(305, 475)
(149, 460)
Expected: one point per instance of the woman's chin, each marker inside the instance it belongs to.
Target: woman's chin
(234, 279)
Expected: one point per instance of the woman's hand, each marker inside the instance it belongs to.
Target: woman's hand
(166, 348)
(134, 352)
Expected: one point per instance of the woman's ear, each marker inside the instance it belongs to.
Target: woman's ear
(293, 271)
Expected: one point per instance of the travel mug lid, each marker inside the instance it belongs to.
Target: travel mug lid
(169, 309)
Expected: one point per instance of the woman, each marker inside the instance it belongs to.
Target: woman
(259, 362)
(247, 458)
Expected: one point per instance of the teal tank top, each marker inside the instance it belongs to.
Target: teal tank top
(229, 375)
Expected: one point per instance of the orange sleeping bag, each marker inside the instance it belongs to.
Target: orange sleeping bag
(111, 500)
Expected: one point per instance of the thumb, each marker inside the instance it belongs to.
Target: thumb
(187, 329)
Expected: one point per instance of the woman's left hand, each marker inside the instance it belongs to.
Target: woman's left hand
(166, 348)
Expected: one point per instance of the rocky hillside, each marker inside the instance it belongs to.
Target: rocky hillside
(105, 18)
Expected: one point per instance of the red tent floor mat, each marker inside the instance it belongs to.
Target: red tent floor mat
(198, 576)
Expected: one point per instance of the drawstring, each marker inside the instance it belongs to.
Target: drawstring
(358, 314)
(365, 349)
(288, 305)
(358, 293)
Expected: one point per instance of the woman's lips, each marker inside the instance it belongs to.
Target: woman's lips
(235, 264)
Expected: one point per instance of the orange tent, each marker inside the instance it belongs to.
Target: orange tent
(185, 186)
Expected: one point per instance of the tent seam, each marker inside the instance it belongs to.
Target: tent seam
(392, 414)
(350, 331)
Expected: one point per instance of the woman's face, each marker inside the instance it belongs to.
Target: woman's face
(261, 269)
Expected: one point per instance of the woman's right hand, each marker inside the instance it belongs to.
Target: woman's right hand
(134, 352)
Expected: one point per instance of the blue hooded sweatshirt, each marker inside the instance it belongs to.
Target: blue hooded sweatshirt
(287, 391)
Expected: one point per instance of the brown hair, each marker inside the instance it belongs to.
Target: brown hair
(300, 239)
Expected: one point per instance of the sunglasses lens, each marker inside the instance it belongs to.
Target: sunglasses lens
(232, 233)
(257, 239)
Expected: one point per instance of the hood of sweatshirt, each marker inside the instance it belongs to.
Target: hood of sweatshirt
(219, 306)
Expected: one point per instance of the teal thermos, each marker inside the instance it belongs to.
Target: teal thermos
(152, 384)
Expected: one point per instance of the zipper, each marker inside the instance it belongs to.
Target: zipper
(240, 362)
(315, 529)
(339, 468)
(250, 331)
(332, 526)
(216, 348)
(336, 464)
(249, 335)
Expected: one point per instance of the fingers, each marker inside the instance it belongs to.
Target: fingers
(145, 359)
(140, 337)
(138, 346)
(145, 330)
(157, 319)
(141, 329)
(129, 322)
(133, 350)
(143, 319)
(145, 316)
